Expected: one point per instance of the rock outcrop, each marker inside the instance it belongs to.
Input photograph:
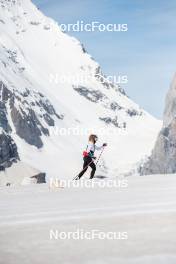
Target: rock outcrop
(8, 151)
(21, 173)
(28, 114)
(29, 124)
(163, 157)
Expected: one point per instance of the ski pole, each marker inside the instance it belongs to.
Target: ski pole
(99, 156)
(82, 170)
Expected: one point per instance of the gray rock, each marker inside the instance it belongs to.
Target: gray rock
(133, 112)
(27, 126)
(103, 78)
(3, 118)
(170, 104)
(115, 106)
(163, 157)
(41, 177)
(25, 109)
(8, 151)
(5, 92)
(113, 121)
(92, 95)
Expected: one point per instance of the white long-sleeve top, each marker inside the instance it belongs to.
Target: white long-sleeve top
(91, 147)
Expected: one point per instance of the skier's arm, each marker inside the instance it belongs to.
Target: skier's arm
(99, 148)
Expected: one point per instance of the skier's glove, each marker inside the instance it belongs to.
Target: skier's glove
(94, 158)
(105, 144)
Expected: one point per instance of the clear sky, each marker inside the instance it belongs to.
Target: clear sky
(146, 53)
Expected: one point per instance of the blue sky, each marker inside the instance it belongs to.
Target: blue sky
(145, 53)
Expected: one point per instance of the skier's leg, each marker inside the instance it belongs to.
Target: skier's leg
(84, 168)
(93, 166)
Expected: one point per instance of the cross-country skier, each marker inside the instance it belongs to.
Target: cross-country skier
(88, 156)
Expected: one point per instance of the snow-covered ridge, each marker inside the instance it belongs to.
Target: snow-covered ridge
(32, 48)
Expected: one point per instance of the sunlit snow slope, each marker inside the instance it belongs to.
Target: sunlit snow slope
(34, 56)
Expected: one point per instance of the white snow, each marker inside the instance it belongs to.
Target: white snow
(19, 173)
(32, 48)
(43, 53)
(146, 210)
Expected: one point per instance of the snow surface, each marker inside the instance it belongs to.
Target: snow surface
(29, 55)
(146, 210)
(19, 173)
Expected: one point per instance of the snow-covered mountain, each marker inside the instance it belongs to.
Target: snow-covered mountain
(37, 107)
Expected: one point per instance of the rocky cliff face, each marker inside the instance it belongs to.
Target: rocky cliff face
(52, 94)
(8, 151)
(31, 115)
(163, 157)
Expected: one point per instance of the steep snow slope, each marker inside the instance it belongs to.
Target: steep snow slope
(34, 57)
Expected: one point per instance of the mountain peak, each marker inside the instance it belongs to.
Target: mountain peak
(50, 84)
(170, 104)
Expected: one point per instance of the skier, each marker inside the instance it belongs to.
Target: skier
(88, 156)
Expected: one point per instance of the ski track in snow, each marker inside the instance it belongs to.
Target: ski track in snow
(49, 216)
(146, 210)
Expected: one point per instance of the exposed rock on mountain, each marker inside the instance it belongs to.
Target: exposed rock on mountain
(33, 52)
(21, 173)
(8, 151)
(163, 157)
(30, 112)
